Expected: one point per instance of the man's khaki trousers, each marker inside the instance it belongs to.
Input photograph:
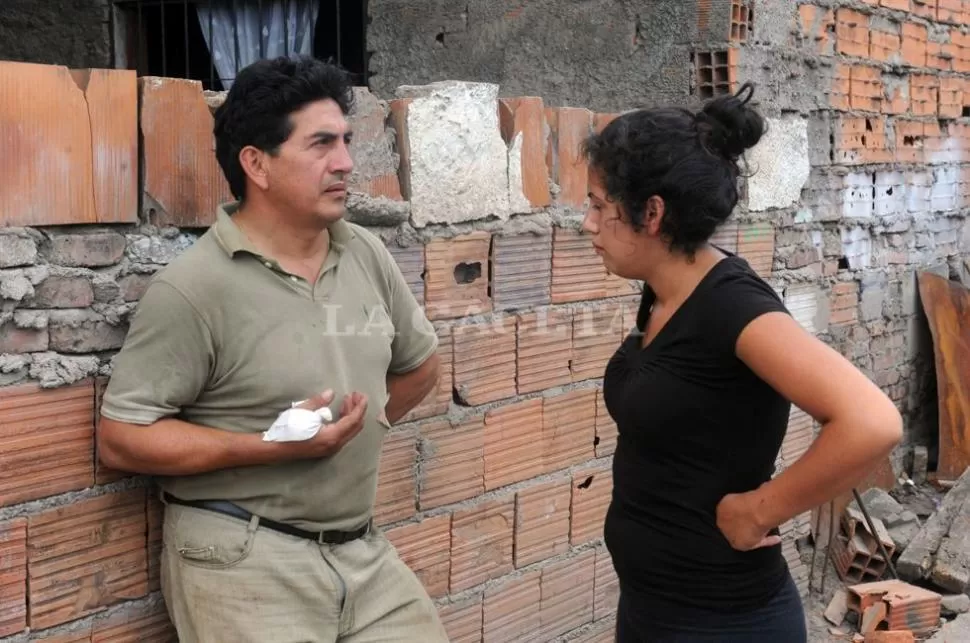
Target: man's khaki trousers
(225, 580)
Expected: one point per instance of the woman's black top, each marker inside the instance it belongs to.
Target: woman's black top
(695, 423)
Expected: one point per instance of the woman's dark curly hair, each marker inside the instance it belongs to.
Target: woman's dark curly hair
(690, 160)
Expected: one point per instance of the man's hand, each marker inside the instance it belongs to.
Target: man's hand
(737, 518)
(332, 437)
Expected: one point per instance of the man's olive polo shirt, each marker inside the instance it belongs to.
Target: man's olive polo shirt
(225, 338)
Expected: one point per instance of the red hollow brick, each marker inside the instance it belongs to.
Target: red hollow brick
(866, 88)
(603, 631)
(817, 23)
(410, 261)
(952, 11)
(485, 361)
(456, 281)
(605, 428)
(156, 520)
(463, 620)
(884, 42)
(568, 429)
(84, 557)
(852, 33)
(909, 141)
(899, 5)
(512, 610)
(925, 9)
(597, 332)
(454, 462)
(46, 441)
(567, 595)
(844, 303)
(513, 450)
(150, 625)
(958, 49)
(13, 576)
(606, 586)
(543, 350)
(183, 181)
(756, 244)
(368, 121)
(924, 94)
(102, 474)
(395, 481)
(424, 547)
(542, 522)
(896, 94)
(439, 399)
(592, 489)
(951, 97)
(76, 130)
(841, 92)
(399, 119)
(914, 38)
(600, 121)
(521, 270)
(523, 120)
(481, 543)
(578, 272)
(860, 140)
(569, 126)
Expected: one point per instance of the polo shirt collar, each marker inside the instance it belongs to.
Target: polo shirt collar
(232, 240)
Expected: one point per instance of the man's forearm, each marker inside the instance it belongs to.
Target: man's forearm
(173, 447)
(409, 389)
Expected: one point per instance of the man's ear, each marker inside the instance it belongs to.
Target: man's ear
(253, 162)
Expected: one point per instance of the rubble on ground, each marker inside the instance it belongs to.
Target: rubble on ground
(898, 567)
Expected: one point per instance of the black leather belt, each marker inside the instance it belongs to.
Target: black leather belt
(330, 537)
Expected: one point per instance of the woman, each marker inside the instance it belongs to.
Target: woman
(701, 391)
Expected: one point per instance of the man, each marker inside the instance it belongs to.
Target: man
(281, 301)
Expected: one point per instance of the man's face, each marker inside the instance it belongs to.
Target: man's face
(308, 176)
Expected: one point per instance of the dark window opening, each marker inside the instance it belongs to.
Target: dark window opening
(171, 37)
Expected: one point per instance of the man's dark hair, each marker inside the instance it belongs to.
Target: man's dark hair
(258, 106)
(687, 159)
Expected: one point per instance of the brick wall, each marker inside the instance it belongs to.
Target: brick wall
(494, 489)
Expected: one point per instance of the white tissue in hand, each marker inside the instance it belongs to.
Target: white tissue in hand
(295, 425)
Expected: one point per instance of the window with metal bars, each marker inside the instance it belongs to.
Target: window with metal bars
(211, 40)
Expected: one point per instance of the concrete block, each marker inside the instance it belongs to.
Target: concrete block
(951, 566)
(375, 163)
(780, 163)
(890, 193)
(857, 196)
(17, 250)
(916, 561)
(874, 286)
(457, 162)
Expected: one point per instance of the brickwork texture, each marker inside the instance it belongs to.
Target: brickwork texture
(494, 489)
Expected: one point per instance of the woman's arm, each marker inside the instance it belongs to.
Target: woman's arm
(860, 427)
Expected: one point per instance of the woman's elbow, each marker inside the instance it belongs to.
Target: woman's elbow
(884, 427)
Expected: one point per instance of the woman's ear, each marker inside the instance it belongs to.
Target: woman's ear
(653, 215)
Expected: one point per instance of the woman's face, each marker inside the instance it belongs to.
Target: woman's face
(624, 251)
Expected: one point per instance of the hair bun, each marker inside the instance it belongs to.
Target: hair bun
(731, 126)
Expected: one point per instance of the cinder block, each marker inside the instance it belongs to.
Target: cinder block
(463, 620)
(756, 244)
(485, 361)
(567, 595)
(410, 261)
(439, 399)
(577, 271)
(424, 548)
(84, 557)
(46, 441)
(457, 276)
(523, 125)
(481, 543)
(521, 271)
(852, 33)
(915, 37)
(76, 130)
(542, 522)
(183, 183)
(513, 449)
(569, 127)
(375, 171)
(592, 490)
(544, 350)
(453, 466)
(396, 489)
(448, 183)
(568, 429)
(606, 586)
(597, 332)
(13, 576)
(146, 625)
(512, 610)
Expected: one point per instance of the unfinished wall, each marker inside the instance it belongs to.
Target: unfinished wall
(494, 490)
